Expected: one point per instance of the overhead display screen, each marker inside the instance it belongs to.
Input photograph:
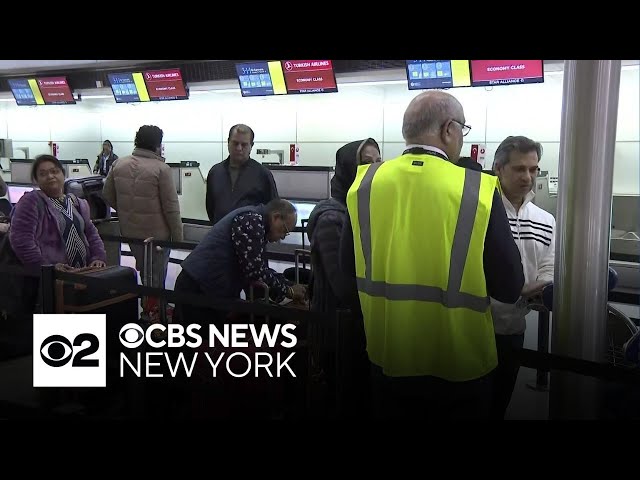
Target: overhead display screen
(425, 74)
(506, 72)
(309, 76)
(261, 79)
(55, 91)
(165, 85)
(128, 87)
(25, 91)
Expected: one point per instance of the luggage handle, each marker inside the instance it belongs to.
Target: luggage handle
(258, 283)
(147, 262)
(296, 255)
(304, 223)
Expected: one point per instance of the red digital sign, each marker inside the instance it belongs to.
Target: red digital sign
(55, 91)
(309, 76)
(165, 85)
(506, 72)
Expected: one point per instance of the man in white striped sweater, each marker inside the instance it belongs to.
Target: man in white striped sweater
(516, 165)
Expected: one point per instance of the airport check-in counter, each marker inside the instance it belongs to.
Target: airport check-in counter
(624, 255)
(19, 169)
(303, 186)
(625, 243)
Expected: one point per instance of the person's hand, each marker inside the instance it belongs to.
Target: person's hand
(63, 267)
(98, 263)
(299, 292)
(533, 289)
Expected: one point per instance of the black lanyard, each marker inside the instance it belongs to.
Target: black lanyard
(423, 151)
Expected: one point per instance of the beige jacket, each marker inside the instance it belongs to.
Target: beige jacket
(140, 188)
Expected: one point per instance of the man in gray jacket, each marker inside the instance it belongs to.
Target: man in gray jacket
(140, 188)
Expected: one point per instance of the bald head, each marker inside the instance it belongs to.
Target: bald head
(428, 121)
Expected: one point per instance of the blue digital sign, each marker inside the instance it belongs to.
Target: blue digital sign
(124, 88)
(260, 79)
(429, 74)
(425, 74)
(22, 92)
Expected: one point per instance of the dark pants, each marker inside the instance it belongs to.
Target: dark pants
(504, 377)
(187, 314)
(429, 398)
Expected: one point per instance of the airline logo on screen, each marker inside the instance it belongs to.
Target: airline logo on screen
(309, 76)
(168, 74)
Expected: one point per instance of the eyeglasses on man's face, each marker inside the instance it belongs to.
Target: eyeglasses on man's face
(465, 128)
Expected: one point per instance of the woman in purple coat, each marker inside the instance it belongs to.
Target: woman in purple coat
(51, 228)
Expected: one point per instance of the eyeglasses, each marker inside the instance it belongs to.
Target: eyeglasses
(465, 128)
(46, 173)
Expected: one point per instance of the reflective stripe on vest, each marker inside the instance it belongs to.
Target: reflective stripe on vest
(452, 297)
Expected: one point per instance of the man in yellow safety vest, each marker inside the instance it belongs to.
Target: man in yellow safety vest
(429, 242)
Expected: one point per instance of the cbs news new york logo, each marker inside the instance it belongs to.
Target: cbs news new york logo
(69, 350)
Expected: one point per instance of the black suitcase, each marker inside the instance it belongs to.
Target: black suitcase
(120, 309)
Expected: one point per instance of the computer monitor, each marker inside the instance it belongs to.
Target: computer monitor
(15, 192)
(21, 169)
(302, 183)
(304, 210)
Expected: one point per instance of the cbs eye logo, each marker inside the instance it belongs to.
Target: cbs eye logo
(56, 351)
(131, 335)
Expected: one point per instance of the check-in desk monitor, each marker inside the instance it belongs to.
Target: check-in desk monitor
(192, 189)
(546, 190)
(177, 177)
(21, 169)
(302, 183)
(16, 191)
(77, 168)
(294, 239)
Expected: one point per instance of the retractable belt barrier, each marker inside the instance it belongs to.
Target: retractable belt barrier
(529, 358)
(241, 306)
(304, 255)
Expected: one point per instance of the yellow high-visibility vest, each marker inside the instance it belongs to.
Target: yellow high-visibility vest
(419, 225)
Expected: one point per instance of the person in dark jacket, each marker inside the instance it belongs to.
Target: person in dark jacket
(332, 289)
(239, 180)
(105, 159)
(468, 162)
(232, 255)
